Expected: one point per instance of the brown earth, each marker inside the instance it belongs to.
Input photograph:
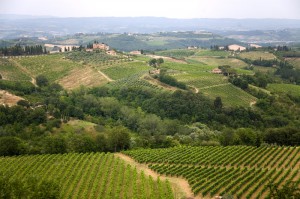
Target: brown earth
(8, 99)
(85, 76)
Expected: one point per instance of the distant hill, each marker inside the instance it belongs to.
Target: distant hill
(13, 26)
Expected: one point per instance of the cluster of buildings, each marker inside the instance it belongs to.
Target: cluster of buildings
(102, 46)
(96, 46)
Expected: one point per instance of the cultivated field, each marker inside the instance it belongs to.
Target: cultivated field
(89, 175)
(53, 67)
(10, 71)
(284, 88)
(230, 95)
(254, 55)
(294, 61)
(238, 170)
(86, 76)
(124, 70)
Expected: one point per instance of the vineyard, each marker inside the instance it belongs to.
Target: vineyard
(134, 80)
(90, 175)
(230, 95)
(124, 70)
(53, 67)
(242, 171)
(284, 88)
(257, 55)
(178, 53)
(11, 72)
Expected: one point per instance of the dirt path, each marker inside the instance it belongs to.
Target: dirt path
(106, 77)
(33, 81)
(180, 186)
(196, 89)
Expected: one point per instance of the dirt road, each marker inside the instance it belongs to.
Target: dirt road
(180, 186)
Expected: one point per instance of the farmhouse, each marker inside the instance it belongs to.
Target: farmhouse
(236, 47)
(255, 46)
(136, 52)
(192, 47)
(101, 46)
(216, 71)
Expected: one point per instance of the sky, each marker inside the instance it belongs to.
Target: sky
(287, 9)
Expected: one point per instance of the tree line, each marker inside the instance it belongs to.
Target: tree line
(23, 50)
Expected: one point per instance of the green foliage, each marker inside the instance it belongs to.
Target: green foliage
(289, 190)
(41, 81)
(167, 79)
(30, 187)
(11, 146)
(218, 103)
(21, 87)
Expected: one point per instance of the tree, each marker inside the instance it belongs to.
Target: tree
(152, 62)
(0, 76)
(11, 146)
(55, 145)
(119, 138)
(289, 190)
(160, 61)
(218, 103)
(41, 81)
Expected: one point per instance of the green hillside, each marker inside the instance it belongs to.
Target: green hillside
(89, 175)
(240, 171)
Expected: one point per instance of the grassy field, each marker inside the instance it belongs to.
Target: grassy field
(284, 88)
(89, 175)
(242, 171)
(254, 55)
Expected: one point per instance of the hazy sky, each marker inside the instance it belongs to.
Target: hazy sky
(159, 8)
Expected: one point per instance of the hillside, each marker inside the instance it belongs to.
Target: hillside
(243, 172)
(170, 103)
(89, 175)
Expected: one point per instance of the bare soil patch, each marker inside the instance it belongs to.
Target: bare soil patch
(85, 76)
(8, 99)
